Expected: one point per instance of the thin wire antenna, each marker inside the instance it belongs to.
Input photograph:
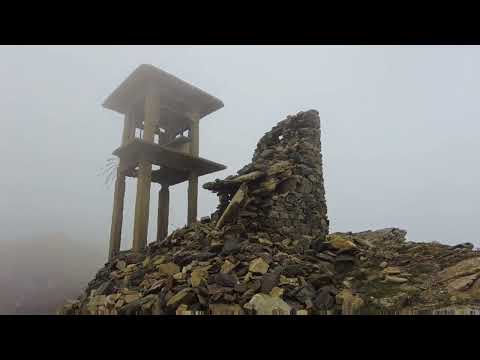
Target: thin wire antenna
(109, 171)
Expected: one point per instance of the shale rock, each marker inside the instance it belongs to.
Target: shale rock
(266, 250)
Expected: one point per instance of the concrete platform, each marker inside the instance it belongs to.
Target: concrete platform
(175, 165)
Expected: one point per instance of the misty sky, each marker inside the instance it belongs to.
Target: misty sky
(399, 132)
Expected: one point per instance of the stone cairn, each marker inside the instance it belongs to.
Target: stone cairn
(266, 251)
(281, 192)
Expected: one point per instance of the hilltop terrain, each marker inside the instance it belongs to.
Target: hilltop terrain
(267, 250)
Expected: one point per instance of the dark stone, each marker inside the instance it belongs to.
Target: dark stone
(247, 295)
(331, 289)
(342, 267)
(240, 288)
(305, 293)
(196, 307)
(304, 170)
(255, 285)
(229, 298)
(136, 278)
(216, 289)
(293, 270)
(203, 256)
(231, 245)
(202, 300)
(135, 306)
(291, 198)
(319, 280)
(182, 260)
(227, 280)
(133, 258)
(203, 291)
(309, 258)
(467, 245)
(296, 157)
(104, 288)
(203, 241)
(211, 279)
(319, 245)
(241, 270)
(325, 257)
(267, 203)
(253, 248)
(323, 300)
(269, 281)
(217, 248)
(267, 153)
(344, 258)
(216, 297)
(245, 170)
(288, 185)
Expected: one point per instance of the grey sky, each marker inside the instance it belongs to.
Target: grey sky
(399, 132)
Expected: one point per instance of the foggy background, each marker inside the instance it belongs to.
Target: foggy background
(399, 139)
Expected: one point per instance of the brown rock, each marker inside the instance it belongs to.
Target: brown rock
(351, 304)
(463, 283)
(179, 297)
(288, 281)
(395, 279)
(168, 268)
(233, 207)
(392, 270)
(198, 275)
(225, 309)
(465, 267)
(276, 292)
(258, 266)
(132, 297)
(227, 266)
(226, 280)
(341, 244)
(263, 304)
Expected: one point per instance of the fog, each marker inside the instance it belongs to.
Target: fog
(399, 139)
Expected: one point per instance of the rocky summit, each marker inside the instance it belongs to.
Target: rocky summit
(266, 250)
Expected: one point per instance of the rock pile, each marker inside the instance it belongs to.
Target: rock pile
(266, 250)
(372, 272)
(281, 192)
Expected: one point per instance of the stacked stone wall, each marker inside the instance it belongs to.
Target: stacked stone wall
(284, 191)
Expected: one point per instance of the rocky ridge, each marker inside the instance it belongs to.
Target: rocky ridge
(266, 250)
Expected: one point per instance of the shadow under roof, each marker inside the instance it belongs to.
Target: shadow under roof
(137, 150)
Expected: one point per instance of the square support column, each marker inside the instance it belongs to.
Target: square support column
(117, 217)
(163, 209)
(119, 195)
(193, 178)
(192, 198)
(142, 203)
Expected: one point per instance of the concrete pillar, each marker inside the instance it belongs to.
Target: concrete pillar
(163, 210)
(193, 178)
(142, 201)
(119, 195)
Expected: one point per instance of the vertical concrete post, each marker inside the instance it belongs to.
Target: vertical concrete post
(193, 178)
(119, 195)
(142, 201)
(163, 210)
